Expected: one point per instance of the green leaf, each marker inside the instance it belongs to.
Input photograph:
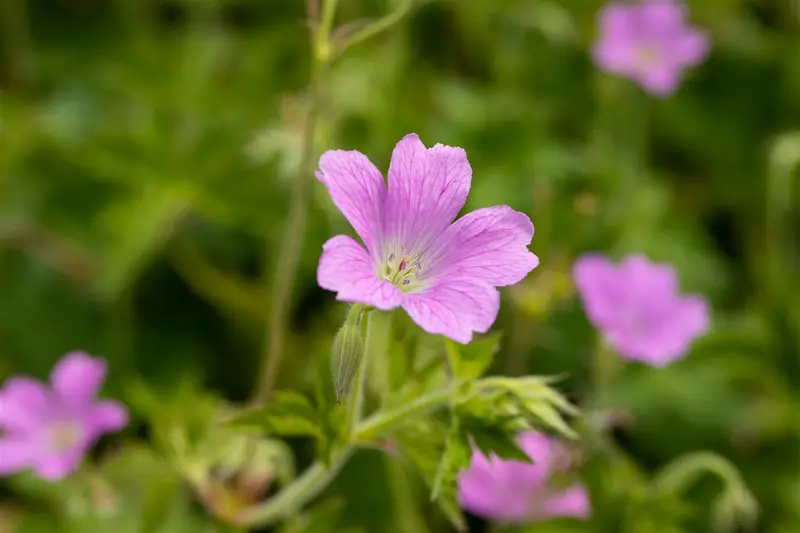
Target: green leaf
(456, 457)
(137, 229)
(494, 438)
(424, 443)
(157, 504)
(288, 413)
(550, 416)
(471, 361)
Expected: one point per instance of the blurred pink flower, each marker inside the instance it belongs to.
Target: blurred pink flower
(50, 430)
(649, 42)
(638, 308)
(443, 274)
(518, 492)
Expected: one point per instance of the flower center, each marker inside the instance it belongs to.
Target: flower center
(647, 55)
(63, 435)
(402, 271)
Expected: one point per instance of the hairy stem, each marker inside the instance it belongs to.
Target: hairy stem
(298, 213)
(317, 476)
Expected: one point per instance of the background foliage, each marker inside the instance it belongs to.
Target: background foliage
(147, 150)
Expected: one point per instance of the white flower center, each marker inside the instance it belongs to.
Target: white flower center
(402, 271)
(63, 435)
(647, 55)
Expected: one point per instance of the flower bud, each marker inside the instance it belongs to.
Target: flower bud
(346, 354)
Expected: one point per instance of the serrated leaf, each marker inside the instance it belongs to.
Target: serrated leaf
(451, 460)
(288, 413)
(471, 361)
(456, 457)
(423, 443)
(550, 416)
(494, 439)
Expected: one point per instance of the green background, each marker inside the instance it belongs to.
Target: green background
(147, 151)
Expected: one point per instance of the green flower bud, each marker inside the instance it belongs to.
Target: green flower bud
(346, 354)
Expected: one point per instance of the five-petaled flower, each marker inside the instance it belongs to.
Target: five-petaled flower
(443, 274)
(50, 430)
(649, 42)
(517, 492)
(638, 307)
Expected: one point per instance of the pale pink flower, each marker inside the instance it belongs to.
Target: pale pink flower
(518, 492)
(649, 42)
(638, 307)
(49, 430)
(444, 274)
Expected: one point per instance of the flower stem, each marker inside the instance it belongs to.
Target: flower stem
(318, 476)
(384, 420)
(295, 495)
(15, 36)
(378, 26)
(356, 397)
(298, 214)
(606, 366)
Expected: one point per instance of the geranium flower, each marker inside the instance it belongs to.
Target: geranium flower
(443, 274)
(517, 492)
(638, 307)
(50, 430)
(649, 42)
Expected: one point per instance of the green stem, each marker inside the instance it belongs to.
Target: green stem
(384, 420)
(14, 34)
(379, 331)
(605, 367)
(296, 494)
(322, 45)
(378, 26)
(357, 391)
(298, 215)
(317, 477)
(677, 476)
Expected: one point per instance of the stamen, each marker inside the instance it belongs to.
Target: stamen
(404, 275)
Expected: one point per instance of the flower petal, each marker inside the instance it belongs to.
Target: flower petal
(347, 269)
(78, 377)
(427, 189)
(488, 245)
(599, 286)
(661, 17)
(615, 48)
(690, 47)
(671, 338)
(23, 403)
(16, 453)
(455, 308)
(357, 189)
(107, 416)
(573, 503)
(661, 79)
(57, 467)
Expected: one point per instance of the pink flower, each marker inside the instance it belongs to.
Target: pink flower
(637, 307)
(443, 274)
(649, 42)
(517, 492)
(50, 430)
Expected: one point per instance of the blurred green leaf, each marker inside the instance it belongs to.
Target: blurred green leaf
(493, 439)
(136, 228)
(287, 413)
(456, 457)
(471, 361)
